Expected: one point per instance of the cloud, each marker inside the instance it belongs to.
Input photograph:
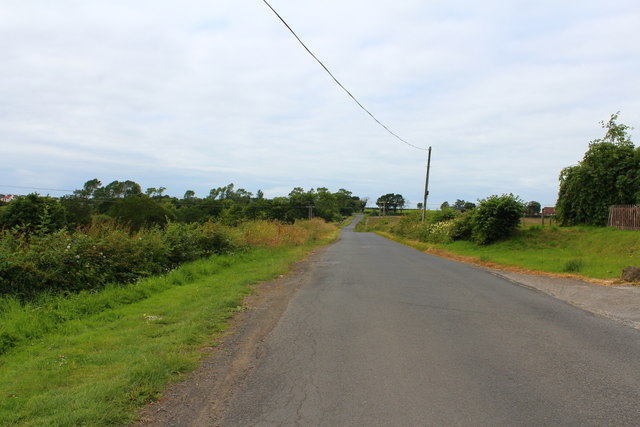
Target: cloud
(197, 95)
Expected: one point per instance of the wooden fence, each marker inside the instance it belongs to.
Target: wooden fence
(624, 217)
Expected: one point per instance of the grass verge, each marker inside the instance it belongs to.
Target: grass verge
(586, 252)
(97, 357)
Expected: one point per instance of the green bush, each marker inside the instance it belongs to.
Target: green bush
(88, 259)
(462, 227)
(496, 217)
(103, 253)
(439, 232)
(34, 213)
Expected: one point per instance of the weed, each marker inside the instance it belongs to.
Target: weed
(573, 266)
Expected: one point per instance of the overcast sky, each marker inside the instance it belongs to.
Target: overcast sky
(198, 94)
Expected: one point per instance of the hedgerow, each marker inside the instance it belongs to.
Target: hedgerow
(90, 258)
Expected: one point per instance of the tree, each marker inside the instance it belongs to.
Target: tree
(326, 205)
(459, 205)
(533, 208)
(141, 211)
(444, 205)
(609, 174)
(189, 195)
(154, 192)
(391, 201)
(34, 213)
(88, 189)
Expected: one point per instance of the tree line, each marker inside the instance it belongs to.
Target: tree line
(126, 203)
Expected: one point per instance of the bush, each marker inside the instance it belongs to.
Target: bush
(34, 213)
(103, 253)
(462, 227)
(496, 217)
(439, 232)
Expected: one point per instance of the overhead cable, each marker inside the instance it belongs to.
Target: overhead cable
(340, 84)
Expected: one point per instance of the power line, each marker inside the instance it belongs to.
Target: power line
(34, 188)
(336, 80)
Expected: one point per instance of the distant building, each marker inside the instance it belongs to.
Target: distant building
(548, 211)
(6, 198)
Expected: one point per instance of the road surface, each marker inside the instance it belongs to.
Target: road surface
(384, 335)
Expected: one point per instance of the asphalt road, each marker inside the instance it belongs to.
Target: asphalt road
(384, 335)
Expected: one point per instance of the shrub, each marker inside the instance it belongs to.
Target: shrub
(496, 217)
(462, 227)
(103, 253)
(34, 213)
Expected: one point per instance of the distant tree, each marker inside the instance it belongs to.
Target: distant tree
(189, 195)
(326, 205)
(78, 210)
(88, 189)
(444, 205)
(533, 208)
(609, 174)
(155, 192)
(462, 206)
(141, 211)
(419, 206)
(364, 201)
(130, 188)
(391, 201)
(34, 213)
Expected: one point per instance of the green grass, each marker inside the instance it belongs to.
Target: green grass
(595, 252)
(592, 252)
(96, 358)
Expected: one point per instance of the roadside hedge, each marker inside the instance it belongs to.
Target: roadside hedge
(88, 259)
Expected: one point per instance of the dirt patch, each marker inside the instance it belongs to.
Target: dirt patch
(206, 393)
(477, 261)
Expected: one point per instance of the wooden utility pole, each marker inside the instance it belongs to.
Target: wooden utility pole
(426, 186)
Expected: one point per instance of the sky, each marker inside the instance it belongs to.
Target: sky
(193, 95)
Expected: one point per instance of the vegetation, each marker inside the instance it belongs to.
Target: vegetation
(495, 218)
(609, 174)
(391, 202)
(459, 205)
(126, 204)
(116, 233)
(532, 208)
(94, 357)
(594, 252)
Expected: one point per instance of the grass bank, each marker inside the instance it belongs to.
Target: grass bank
(592, 252)
(95, 358)
(589, 252)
